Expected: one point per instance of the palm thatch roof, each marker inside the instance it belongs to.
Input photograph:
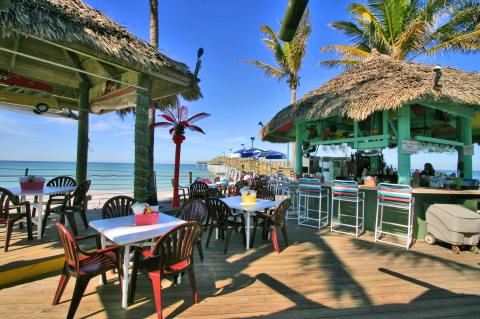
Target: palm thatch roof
(378, 83)
(79, 26)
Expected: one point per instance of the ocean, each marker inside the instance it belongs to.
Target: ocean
(108, 179)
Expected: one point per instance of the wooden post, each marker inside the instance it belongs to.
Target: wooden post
(403, 124)
(140, 188)
(464, 135)
(298, 149)
(82, 136)
(190, 178)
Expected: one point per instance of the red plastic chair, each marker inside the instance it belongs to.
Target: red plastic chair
(11, 212)
(84, 266)
(171, 255)
(270, 221)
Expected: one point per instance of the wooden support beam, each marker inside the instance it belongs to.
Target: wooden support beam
(438, 141)
(464, 111)
(370, 138)
(75, 61)
(16, 44)
(299, 149)
(355, 133)
(392, 126)
(464, 134)
(82, 137)
(141, 166)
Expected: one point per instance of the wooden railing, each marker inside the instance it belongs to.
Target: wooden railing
(259, 167)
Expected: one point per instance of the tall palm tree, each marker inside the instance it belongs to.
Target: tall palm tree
(406, 29)
(288, 56)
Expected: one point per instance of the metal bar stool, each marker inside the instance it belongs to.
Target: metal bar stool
(289, 190)
(274, 184)
(398, 198)
(347, 192)
(309, 214)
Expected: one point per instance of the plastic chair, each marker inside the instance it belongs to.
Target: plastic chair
(224, 220)
(72, 204)
(270, 221)
(171, 255)
(399, 199)
(195, 210)
(347, 192)
(183, 189)
(84, 266)
(198, 190)
(289, 189)
(117, 206)
(8, 203)
(56, 199)
(311, 196)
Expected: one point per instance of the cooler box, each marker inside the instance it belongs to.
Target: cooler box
(453, 224)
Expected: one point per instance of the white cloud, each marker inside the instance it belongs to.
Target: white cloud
(14, 127)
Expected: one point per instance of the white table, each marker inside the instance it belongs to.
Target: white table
(235, 202)
(123, 231)
(46, 191)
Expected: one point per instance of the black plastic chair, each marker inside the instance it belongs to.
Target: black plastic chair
(57, 198)
(195, 210)
(117, 206)
(9, 203)
(222, 218)
(184, 189)
(198, 190)
(72, 204)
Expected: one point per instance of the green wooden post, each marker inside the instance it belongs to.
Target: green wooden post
(403, 124)
(464, 135)
(82, 135)
(298, 149)
(140, 186)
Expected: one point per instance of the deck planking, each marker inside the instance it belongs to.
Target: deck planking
(320, 275)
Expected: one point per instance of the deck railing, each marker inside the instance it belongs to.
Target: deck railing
(257, 166)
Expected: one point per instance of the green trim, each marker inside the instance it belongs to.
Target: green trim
(385, 122)
(351, 140)
(298, 148)
(456, 109)
(355, 133)
(438, 141)
(374, 144)
(403, 135)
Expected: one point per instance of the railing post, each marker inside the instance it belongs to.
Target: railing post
(190, 178)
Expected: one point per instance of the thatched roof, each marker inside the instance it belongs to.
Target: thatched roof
(79, 26)
(376, 84)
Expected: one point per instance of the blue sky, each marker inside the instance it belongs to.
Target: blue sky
(237, 95)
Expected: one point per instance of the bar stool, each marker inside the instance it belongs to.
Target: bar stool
(309, 214)
(399, 199)
(347, 192)
(289, 190)
(274, 184)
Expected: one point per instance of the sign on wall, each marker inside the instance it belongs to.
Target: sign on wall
(468, 150)
(410, 147)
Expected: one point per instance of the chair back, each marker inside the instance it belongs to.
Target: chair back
(218, 210)
(281, 211)
(61, 181)
(194, 210)
(239, 185)
(174, 250)
(117, 206)
(70, 246)
(198, 190)
(80, 194)
(266, 193)
(394, 193)
(257, 184)
(215, 192)
(344, 188)
(309, 185)
(6, 199)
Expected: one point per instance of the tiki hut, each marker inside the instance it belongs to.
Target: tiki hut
(380, 83)
(58, 57)
(382, 102)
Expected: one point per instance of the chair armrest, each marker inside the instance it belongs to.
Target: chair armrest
(92, 236)
(108, 249)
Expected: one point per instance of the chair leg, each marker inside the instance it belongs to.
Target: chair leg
(44, 222)
(157, 292)
(274, 239)
(83, 216)
(244, 232)
(8, 234)
(227, 241)
(193, 284)
(254, 230)
(29, 226)
(71, 221)
(61, 285)
(200, 250)
(80, 286)
(210, 231)
(284, 232)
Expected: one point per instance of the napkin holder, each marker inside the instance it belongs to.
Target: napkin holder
(141, 218)
(31, 183)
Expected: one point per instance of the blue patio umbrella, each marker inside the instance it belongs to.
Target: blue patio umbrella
(273, 155)
(247, 152)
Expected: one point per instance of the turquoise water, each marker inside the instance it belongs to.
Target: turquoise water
(104, 176)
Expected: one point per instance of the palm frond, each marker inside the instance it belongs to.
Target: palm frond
(123, 113)
(346, 50)
(270, 71)
(334, 63)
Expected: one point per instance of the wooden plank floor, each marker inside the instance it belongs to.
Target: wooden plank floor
(320, 275)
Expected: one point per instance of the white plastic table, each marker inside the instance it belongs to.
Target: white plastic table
(46, 191)
(123, 231)
(235, 202)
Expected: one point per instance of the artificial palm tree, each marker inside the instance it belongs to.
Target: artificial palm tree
(288, 56)
(406, 29)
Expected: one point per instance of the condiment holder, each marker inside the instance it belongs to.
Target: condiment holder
(144, 214)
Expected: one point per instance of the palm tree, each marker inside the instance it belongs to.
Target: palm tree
(288, 56)
(406, 29)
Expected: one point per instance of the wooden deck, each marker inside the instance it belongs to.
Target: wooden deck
(320, 275)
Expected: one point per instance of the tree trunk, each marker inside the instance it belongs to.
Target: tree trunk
(152, 187)
(293, 99)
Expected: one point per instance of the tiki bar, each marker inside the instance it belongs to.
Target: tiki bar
(380, 104)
